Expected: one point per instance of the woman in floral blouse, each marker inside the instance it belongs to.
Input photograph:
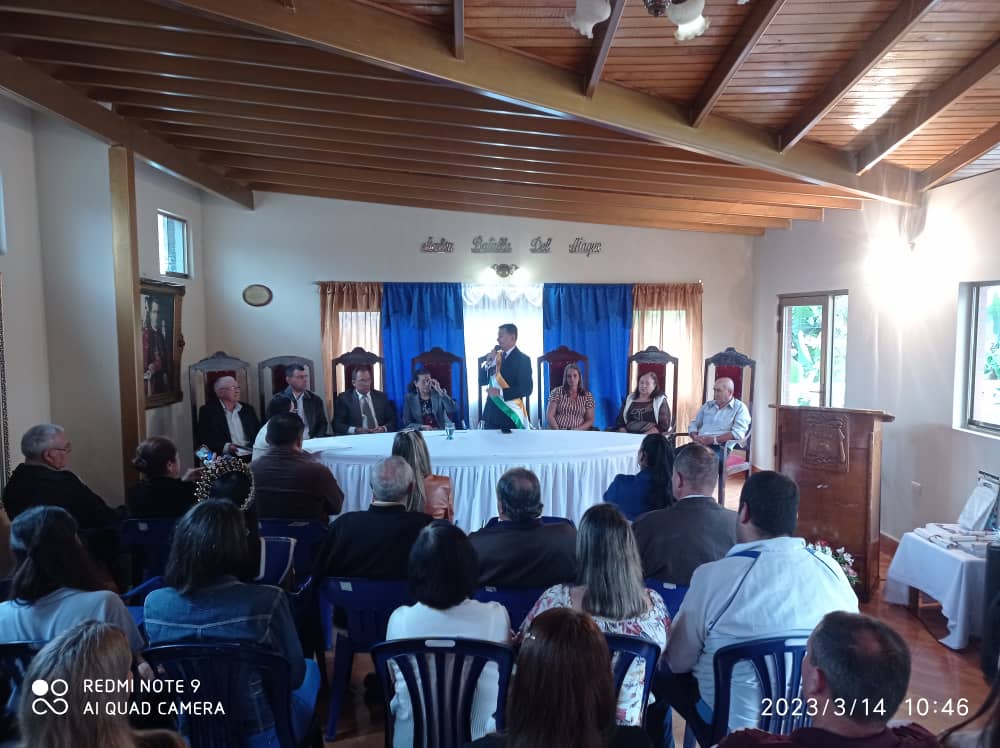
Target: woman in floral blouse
(610, 589)
(571, 407)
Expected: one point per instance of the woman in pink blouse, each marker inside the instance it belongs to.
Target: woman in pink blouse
(571, 408)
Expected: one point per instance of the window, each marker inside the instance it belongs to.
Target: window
(175, 243)
(813, 349)
(984, 361)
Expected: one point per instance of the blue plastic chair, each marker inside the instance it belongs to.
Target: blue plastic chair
(135, 600)
(518, 602)
(224, 671)
(442, 718)
(672, 594)
(367, 604)
(149, 539)
(624, 651)
(308, 534)
(778, 665)
(276, 557)
(546, 520)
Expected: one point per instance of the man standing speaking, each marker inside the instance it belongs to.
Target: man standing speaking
(507, 372)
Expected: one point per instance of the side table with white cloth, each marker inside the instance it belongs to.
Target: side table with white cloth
(951, 576)
(573, 467)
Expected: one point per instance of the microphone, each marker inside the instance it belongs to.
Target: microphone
(490, 357)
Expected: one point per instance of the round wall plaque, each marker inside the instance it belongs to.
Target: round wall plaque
(257, 295)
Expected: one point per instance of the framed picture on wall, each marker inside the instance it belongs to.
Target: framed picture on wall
(161, 341)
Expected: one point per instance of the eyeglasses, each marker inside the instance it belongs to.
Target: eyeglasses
(67, 449)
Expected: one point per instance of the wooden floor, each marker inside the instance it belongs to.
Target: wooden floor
(938, 673)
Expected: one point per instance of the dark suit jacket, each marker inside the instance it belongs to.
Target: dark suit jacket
(160, 497)
(213, 429)
(347, 411)
(315, 411)
(38, 485)
(525, 554)
(442, 407)
(673, 542)
(516, 370)
(371, 544)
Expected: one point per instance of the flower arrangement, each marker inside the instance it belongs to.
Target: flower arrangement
(841, 556)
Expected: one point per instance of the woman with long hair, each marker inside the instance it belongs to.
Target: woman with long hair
(161, 492)
(609, 587)
(431, 493)
(571, 407)
(562, 692)
(203, 600)
(988, 734)
(56, 583)
(645, 411)
(83, 718)
(651, 488)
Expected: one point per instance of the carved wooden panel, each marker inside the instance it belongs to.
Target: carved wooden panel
(825, 442)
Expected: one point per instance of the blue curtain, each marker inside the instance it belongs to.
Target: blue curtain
(415, 318)
(595, 320)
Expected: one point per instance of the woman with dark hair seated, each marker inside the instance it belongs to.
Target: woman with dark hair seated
(562, 692)
(161, 492)
(204, 601)
(571, 407)
(442, 571)
(651, 488)
(56, 584)
(609, 587)
(231, 479)
(428, 406)
(431, 493)
(645, 411)
(280, 403)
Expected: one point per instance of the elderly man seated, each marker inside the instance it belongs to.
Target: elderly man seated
(229, 425)
(720, 420)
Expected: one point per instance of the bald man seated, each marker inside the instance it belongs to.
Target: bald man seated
(722, 419)
(228, 426)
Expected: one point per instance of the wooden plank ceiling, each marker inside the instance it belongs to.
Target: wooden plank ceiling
(909, 89)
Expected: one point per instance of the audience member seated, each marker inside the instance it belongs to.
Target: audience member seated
(431, 493)
(375, 543)
(720, 420)
(519, 550)
(362, 410)
(609, 587)
(675, 541)
(160, 492)
(651, 488)
(204, 601)
(571, 408)
(231, 479)
(645, 411)
(768, 584)
(56, 584)
(562, 691)
(92, 651)
(442, 574)
(851, 660)
(227, 426)
(428, 407)
(278, 404)
(308, 406)
(987, 735)
(290, 483)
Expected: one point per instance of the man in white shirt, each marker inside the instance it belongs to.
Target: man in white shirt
(768, 585)
(722, 419)
(362, 410)
(307, 404)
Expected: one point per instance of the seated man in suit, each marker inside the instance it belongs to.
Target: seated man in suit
(290, 483)
(308, 405)
(520, 551)
(510, 370)
(362, 410)
(375, 543)
(675, 541)
(229, 425)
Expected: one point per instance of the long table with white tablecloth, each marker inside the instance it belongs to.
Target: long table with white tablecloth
(574, 467)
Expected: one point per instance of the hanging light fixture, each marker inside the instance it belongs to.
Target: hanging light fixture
(686, 14)
(656, 8)
(588, 14)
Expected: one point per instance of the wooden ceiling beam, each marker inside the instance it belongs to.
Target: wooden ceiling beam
(753, 28)
(384, 39)
(335, 194)
(968, 153)
(121, 12)
(906, 15)
(458, 22)
(602, 47)
(908, 117)
(28, 83)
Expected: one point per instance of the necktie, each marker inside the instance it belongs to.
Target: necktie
(367, 414)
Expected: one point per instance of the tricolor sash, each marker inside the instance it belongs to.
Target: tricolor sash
(513, 409)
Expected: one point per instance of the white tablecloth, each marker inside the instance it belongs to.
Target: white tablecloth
(574, 467)
(953, 577)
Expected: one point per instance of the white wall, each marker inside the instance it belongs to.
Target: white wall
(290, 242)
(902, 328)
(25, 353)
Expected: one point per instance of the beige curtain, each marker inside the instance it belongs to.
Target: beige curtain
(350, 316)
(669, 317)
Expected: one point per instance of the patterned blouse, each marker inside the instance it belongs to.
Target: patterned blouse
(571, 412)
(653, 625)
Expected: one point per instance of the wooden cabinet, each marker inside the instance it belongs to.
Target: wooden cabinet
(834, 455)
